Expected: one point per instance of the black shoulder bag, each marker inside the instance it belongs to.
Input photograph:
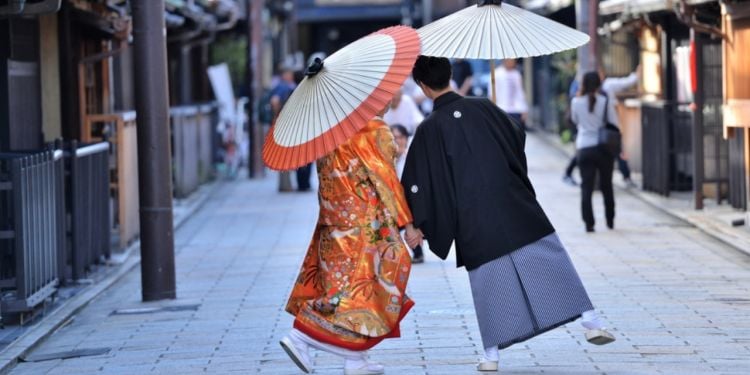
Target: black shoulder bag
(610, 138)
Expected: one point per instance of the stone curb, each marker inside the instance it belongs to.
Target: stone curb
(729, 236)
(65, 313)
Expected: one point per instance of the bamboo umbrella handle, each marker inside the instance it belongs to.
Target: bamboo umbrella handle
(492, 79)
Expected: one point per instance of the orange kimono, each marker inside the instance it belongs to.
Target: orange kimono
(351, 289)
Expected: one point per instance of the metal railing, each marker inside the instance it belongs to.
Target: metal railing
(88, 206)
(31, 227)
(737, 179)
(192, 146)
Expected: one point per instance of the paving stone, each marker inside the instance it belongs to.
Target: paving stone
(671, 295)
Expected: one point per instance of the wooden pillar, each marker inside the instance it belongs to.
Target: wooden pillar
(158, 280)
(736, 47)
(698, 130)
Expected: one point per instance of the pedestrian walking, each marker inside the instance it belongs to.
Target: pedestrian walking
(404, 111)
(402, 138)
(467, 182)
(351, 290)
(611, 86)
(463, 76)
(590, 112)
(280, 93)
(509, 91)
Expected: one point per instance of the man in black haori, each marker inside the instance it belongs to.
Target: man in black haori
(466, 180)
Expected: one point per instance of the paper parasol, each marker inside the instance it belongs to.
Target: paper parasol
(493, 30)
(339, 95)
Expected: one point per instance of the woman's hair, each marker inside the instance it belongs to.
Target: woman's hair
(401, 129)
(433, 72)
(590, 86)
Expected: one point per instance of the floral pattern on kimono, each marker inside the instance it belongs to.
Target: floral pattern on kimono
(350, 291)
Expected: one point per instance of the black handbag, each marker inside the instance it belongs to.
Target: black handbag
(610, 138)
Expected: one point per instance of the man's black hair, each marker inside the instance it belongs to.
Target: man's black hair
(433, 72)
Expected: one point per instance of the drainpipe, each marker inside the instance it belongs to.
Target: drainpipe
(158, 279)
(13, 7)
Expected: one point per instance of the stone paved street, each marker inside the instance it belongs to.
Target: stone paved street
(677, 300)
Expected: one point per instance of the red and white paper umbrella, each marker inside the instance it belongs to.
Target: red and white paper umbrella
(339, 95)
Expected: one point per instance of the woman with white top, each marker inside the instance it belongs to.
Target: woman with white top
(588, 112)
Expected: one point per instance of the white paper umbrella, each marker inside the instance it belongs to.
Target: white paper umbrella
(494, 30)
(339, 96)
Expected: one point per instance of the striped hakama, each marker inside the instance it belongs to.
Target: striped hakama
(527, 292)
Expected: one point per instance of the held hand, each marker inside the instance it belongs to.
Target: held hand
(414, 236)
(414, 242)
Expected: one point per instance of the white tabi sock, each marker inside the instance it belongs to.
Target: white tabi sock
(591, 320)
(492, 354)
(349, 355)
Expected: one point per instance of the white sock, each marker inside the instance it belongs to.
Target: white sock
(352, 363)
(492, 354)
(341, 352)
(591, 320)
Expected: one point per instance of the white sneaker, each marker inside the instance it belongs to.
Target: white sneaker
(487, 365)
(362, 367)
(297, 351)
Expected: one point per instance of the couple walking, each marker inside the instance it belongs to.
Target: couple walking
(465, 181)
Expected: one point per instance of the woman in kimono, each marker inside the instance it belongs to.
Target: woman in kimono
(467, 181)
(350, 292)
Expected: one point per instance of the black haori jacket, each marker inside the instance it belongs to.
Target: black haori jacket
(466, 180)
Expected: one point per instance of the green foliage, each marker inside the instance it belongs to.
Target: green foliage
(232, 50)
(564, 72)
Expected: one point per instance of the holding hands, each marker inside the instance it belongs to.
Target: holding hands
(414, 236)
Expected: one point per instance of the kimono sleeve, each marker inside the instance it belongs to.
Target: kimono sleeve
(377, 150)
(428, 188)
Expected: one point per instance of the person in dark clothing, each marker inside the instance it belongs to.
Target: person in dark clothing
(466, 181)
(280, 93)
(304, 172)
(463, 75)
(590, 111)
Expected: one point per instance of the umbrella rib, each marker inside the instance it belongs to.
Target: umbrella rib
(452, 45)
(332, 103)
(473, 32)
(329, 98)
(435, 30)
(503, 31)
(347, 90)
(488, 20)
(315, 113)
(560, 39)
(336, 88)
(514, 22)
(286, 122)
